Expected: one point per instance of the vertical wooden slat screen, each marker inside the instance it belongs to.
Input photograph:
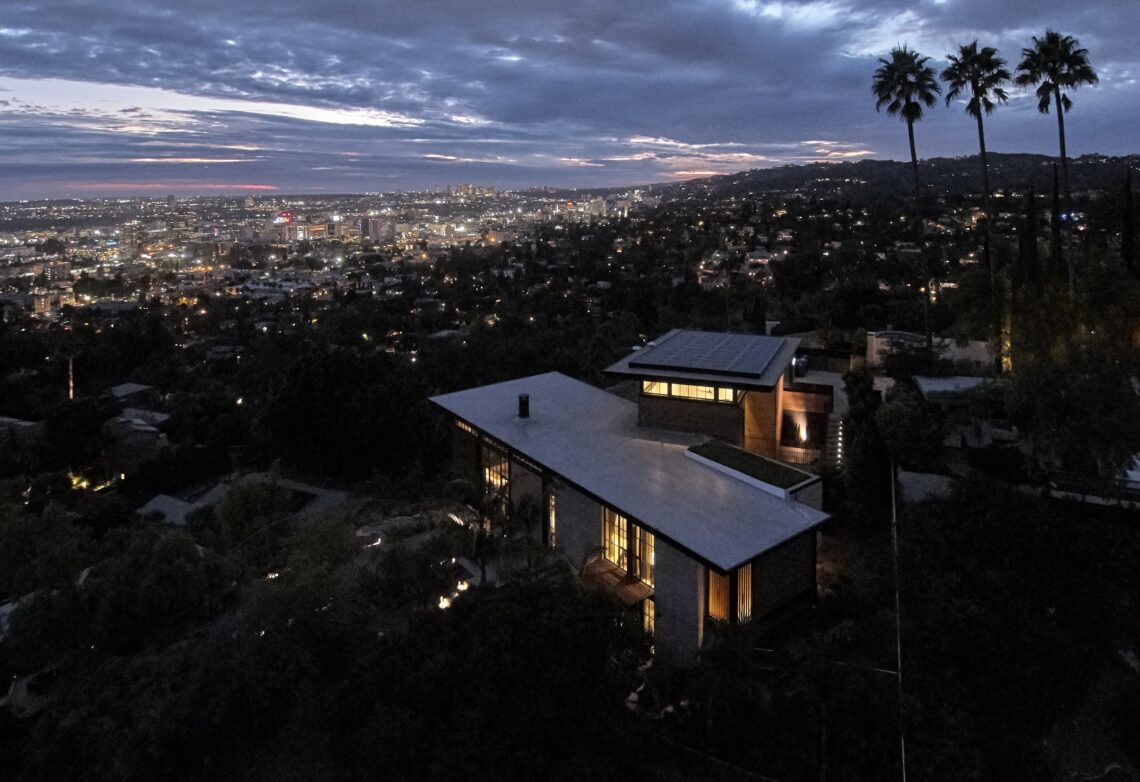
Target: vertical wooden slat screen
(718, 596)
(744, 593)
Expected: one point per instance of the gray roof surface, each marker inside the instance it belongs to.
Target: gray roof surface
(590, 438)
(173, 510)
(748, 360)
(126, 389)
(953, 385)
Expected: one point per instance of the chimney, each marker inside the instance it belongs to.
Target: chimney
(524, 405)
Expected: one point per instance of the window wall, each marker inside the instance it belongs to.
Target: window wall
(629, 546)
(496, 471)
(645, 560)
(615, 528)
(722, 394)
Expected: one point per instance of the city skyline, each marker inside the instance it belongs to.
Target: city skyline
(207, 97)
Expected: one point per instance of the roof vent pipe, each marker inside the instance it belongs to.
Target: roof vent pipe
(524, 405)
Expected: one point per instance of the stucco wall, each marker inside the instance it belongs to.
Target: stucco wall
(680, 604)
(811, 495)
(784, 573)
(578, 524)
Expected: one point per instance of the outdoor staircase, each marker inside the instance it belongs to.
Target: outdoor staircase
(833, 448)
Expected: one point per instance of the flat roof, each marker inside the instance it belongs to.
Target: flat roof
(590, 438)
(954, 385)
(748, 360)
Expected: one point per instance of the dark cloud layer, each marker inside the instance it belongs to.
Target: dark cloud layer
(99, 97)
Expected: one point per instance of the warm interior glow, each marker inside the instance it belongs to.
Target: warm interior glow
(692, 392)
(643, 545)
(496, 471)
(614, 530)
(688, 391)
(551, 517)
(744, 593)
(718, 596)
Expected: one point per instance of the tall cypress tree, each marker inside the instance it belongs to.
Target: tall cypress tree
(1028, 264)
(1056, 262)
(1128, 227)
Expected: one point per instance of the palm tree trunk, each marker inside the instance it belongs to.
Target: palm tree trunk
(1068, 192)
(926, 262)
(995, 303)
(985, 162)
(913, 156)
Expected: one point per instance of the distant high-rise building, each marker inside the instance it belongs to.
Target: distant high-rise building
(130, 237)
(171, 201)
(379, 229)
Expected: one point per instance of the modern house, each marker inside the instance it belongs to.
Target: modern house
(739, 388)
(655, 501)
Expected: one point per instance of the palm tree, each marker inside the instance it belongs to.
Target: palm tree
(982, 75)
(904, 84)
(1056, 64)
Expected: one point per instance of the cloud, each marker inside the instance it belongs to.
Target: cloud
(134, 187)
(515, 93)
(206, 160)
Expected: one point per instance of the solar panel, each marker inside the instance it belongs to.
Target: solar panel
(708, 352)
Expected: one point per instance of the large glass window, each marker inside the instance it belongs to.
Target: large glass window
(692, 392)
(496, 471)
(644, 556)
(649, 615)
(614, 531)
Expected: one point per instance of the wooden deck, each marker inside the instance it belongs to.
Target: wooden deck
(605, 575)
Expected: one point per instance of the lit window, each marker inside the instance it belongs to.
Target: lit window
(725, 395)
(644, 556)
(718, 596)
(655, 388)
(465, 427)
(614, 527)
(649, 615)
(693, 392)
(496, 471)
(744, 593)
(550, 521)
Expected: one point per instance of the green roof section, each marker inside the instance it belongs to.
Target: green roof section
(753, 465)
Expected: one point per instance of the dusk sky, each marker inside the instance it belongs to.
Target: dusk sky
(126, 97)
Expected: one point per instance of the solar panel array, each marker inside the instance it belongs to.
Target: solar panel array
(711, 353)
